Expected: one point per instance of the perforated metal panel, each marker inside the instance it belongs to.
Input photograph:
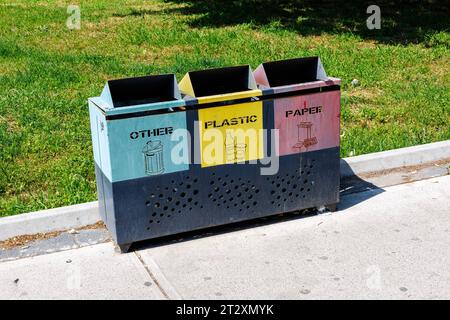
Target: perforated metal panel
(292, 187)
(169, 201)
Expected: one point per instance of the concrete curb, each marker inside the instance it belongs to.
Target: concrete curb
(391, 159)
(87, 213)
(43, 221)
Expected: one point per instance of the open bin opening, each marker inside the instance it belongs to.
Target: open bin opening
(293, 71)
(143, 90)
(221, 81)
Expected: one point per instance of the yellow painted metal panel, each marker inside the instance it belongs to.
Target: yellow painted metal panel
(229, 96)
(185, 86)
(231, 134)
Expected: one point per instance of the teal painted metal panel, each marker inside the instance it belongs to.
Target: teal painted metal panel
(93, 118)
(100, 143)
(146, 107)
(132, 124)
(142, 146)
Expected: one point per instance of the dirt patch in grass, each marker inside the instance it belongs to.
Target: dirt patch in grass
(28, 238)
(161, 55)
(366, 93)
(11, 124)
(367, 44)
(439, 68)
(11, 68)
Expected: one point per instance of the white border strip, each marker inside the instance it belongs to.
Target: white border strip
(80, 215)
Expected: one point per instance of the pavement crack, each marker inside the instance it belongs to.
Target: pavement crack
(152, 276)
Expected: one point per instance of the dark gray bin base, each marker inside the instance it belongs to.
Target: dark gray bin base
(157, 206)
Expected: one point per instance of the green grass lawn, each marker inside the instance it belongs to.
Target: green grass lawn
(47, 72)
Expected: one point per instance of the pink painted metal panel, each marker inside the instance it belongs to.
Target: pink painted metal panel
(260, 76)
(308, 122)
(307, 85)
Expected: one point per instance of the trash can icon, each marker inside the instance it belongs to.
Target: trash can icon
(153, 157)
(234, 151)
(309, 140)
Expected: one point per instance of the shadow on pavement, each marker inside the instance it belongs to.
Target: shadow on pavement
(360, 189)
(217, 230)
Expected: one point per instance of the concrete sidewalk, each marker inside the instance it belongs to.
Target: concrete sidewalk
(391, 243)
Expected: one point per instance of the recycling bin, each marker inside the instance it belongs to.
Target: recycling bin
(132, 125)
(208, 151)
(305, 106)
